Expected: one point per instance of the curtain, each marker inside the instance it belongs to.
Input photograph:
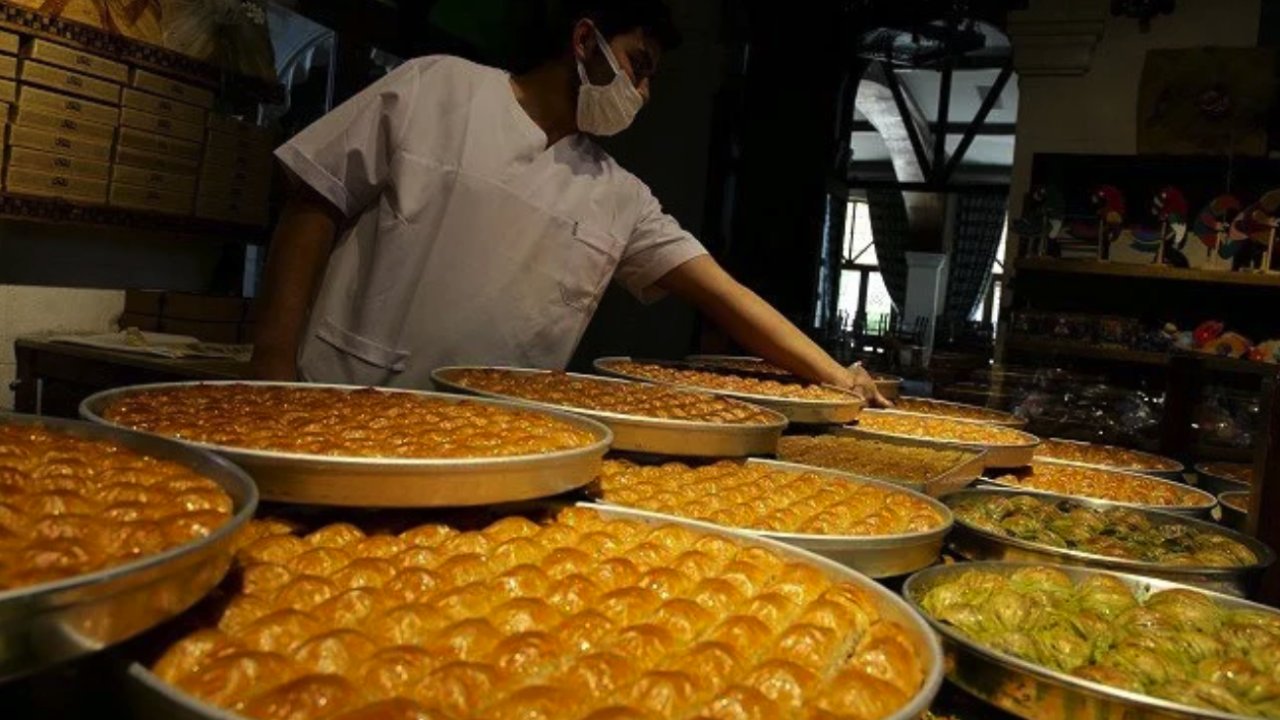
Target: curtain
(980, 218)
(889, 230)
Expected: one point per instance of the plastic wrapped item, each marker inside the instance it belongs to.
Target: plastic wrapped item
(1227, 418)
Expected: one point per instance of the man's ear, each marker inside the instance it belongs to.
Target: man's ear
(583, 39)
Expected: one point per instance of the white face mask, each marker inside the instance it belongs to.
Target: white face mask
(607, 109)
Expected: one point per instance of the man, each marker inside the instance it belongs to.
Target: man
(454, 214)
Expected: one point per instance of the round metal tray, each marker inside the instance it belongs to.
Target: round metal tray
(52, 622)
(974, 543)
(1217, 484)
(957, 478)
(1232, 517)
(809, 412)
(997, 456)
(1006, 420)
(401, 482)
(1034, 692)
(153, 698)
(1202, 510)
(1171, 474)
(881, 556)
(636, 433)
(890, 386)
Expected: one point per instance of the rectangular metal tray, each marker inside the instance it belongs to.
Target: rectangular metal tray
(881, 556)
(957, 478)
(997, 456)
(975, 543)
(636, 433)
(52, 622)
(1207, 501)
(400, 482)
(809, 412)
(1034, 692)
(153, 698)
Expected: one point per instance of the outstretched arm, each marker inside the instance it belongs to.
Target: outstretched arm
(755, 325)
(296, 262)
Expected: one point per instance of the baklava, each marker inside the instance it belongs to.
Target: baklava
(728, 382)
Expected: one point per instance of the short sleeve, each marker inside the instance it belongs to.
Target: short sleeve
(346, 155)
(657, 246)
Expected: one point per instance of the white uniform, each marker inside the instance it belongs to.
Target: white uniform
(470, 240)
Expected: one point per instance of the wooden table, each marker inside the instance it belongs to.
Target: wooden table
(54, 377)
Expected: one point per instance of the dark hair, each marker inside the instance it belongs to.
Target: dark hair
(612, 18)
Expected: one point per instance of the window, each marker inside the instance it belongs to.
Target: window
(863, 294)
(989, 310)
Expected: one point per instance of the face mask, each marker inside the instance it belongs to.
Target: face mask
(607, 109)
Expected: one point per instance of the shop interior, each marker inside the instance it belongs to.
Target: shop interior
(1033, 238)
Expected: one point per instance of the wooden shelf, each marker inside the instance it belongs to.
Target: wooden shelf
(1150, 272)
(1079, 349)
(28, 208)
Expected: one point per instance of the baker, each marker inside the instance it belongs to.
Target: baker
(452, 214)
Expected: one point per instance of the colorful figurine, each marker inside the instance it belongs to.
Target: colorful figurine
(1110, 205)
(1253, 233)
(1170, 207)
(1211, 228)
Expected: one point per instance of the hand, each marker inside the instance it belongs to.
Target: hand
(861, 382)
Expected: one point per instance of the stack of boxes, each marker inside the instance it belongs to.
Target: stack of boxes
(235, 177)
(96, 131)
(160, 145)
(63, 123)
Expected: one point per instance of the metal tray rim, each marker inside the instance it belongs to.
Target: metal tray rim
(1234, 493)
(601, 365)
(1199, 470)
(1106, 692)
(1264, 554)
(83, 429)
(977, 457)
(1181, 468)
(439, 376)
(714, 357)
(1158, 508)
(91, 406)
(917, 704)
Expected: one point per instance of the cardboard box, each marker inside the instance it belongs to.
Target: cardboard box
(144, 302)
(59, 143)
(8, 43)
(162, 106)
(216, 207)
(141, 198)
(70, 187)
(250, 196)
(58, 164)
(59, 123)
(151, 161)
(228, 125)
(8, 91)
(161, 85)
(227, 162)
(207, 308)
(72, 59)
(141, 177)
(134, 118)
(226, 176)
(159, 144)
(29, 96)
(30, 71)
(222, 142)
(8, 66)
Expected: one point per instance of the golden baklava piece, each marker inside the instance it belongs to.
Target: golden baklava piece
(71, 505)
(758, 497)
(338, 422)
(727, 382)
(583, 617)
